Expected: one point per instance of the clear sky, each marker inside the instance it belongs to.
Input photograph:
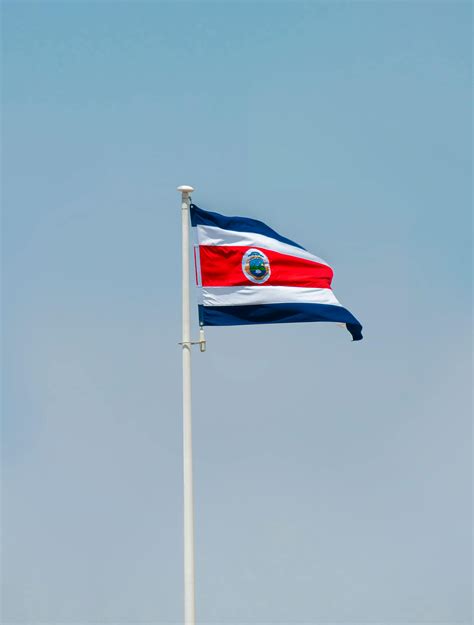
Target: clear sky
(332, 479)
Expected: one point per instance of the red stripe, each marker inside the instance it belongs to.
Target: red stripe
(221, 265)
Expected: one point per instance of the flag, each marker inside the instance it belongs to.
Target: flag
(247, 273)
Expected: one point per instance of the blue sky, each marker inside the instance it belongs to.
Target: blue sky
(332, 478)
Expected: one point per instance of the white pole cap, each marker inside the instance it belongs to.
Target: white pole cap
(184, 188)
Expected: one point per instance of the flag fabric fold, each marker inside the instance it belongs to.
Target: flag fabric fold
(247, 273)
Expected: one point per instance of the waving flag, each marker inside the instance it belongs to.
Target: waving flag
(248, 273)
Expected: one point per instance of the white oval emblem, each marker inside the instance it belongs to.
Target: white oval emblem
(256, 266)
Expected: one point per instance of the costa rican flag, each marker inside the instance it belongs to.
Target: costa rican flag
(248, 273)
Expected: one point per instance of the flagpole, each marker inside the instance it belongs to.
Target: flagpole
(189, 601)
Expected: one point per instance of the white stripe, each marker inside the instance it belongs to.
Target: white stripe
(211, 235)
(255, 295)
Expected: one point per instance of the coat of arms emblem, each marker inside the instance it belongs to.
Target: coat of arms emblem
(256, 266)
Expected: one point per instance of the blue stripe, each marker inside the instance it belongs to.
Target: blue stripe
(200, 217)
(279, 313)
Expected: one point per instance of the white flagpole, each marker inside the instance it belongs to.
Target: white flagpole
(189, 603)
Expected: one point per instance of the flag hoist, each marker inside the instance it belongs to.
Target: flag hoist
(246, 273)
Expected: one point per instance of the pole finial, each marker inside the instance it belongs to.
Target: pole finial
(184, 188)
